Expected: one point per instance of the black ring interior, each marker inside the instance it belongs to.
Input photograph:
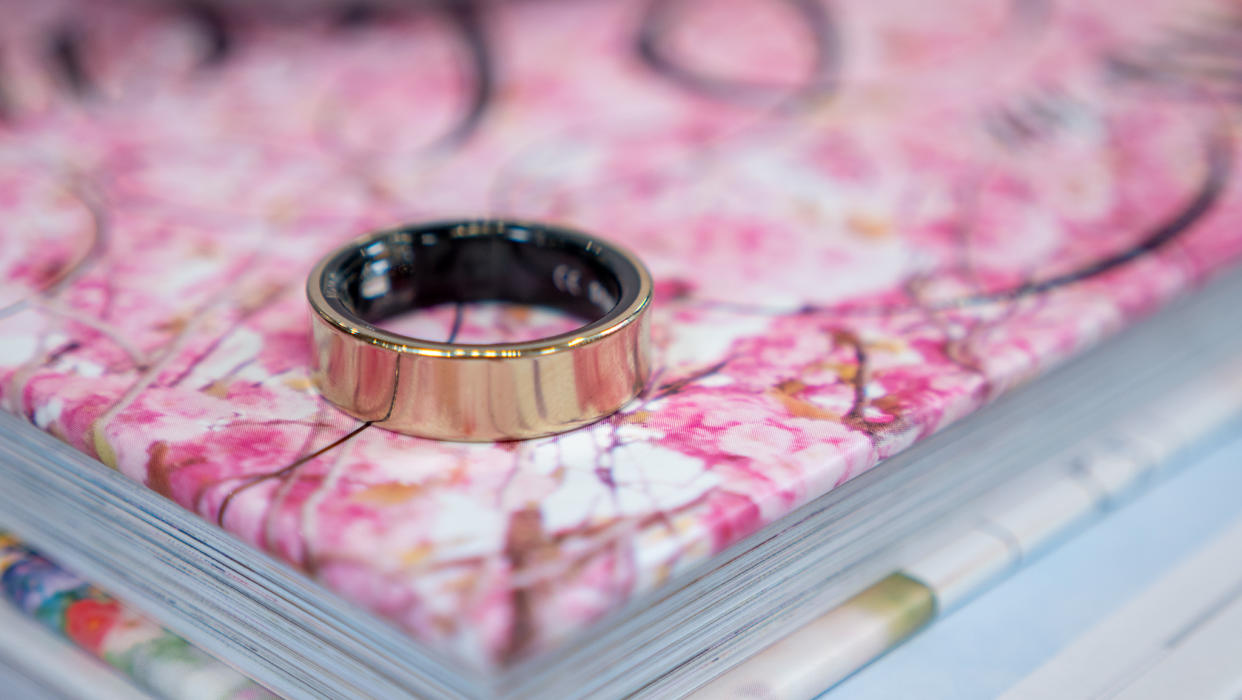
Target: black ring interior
(418, 267)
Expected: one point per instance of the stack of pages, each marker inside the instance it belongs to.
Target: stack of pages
(901, 255)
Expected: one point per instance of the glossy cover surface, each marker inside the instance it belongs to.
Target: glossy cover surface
(864, 221)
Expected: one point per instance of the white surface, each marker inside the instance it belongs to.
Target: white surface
(1204, 665)
(1182, 637)
(993, 642)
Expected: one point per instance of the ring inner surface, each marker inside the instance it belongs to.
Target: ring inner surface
(406, 270)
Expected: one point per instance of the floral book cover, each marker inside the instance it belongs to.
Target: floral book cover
(865, 220)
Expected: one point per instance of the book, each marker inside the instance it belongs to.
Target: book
(37, 589)
(1018, 522)
(870, 230)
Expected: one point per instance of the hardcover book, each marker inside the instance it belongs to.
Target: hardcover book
(865, 221)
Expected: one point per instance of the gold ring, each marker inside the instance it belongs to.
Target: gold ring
(506, 391)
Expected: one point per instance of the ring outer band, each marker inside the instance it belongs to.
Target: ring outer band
(480, 393)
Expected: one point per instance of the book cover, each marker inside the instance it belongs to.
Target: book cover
(865, 221)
